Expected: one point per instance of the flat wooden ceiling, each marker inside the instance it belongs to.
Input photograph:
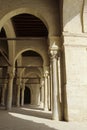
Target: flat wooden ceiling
(26, 25)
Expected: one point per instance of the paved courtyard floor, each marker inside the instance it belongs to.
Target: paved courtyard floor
(28, 118)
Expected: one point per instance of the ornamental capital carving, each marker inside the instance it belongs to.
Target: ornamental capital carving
(18, 83)
(11, 75)
(42, 83)
(54, 51)
(46, 74)
(53, 54)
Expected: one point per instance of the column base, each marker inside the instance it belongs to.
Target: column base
(42, 105)
(46, 109)
(22, 105)
(8, 108)
(55, 118)
(2, 104)
(18, 105)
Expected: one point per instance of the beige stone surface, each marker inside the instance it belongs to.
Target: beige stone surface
(67, 27)
(76, 71)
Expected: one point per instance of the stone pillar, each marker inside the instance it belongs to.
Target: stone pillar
(49, 94)
(63, 86)
(38, 94)
(3, 94)
(51, 85)
(9, 91)
(59, 76)
(55, 85)
(22, 96)
(42, 93)
(18, 95)
(45, 91)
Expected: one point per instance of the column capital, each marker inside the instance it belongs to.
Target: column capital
(11, 73)
(46, 74)
(18, 82)
(23, 84)
(54, 51)
(42, 81)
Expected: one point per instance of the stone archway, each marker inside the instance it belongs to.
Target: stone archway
(42, 48)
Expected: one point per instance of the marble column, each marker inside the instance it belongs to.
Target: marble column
(49, 93)
(42, 93)
(3, 94)
(18, 95)
(55, 84)
(9, 91)
(51, 84)
(22, 96)
(45, 91)
(59, 76)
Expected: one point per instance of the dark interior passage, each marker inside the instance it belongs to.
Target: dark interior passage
(27, 96)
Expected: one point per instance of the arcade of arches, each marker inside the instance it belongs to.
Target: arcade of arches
(43, 56)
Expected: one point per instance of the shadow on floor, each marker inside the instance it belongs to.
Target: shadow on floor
(12, 121)
(33, 112)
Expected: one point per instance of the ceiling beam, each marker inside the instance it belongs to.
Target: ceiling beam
(22, 38)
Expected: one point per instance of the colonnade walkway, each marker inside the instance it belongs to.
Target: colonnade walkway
(32, 118)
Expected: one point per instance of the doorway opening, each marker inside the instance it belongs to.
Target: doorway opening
(27, 95)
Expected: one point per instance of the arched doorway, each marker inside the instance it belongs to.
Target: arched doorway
(27, 95)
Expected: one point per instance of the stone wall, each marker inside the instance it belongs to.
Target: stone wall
(72, 16)
(76, 76)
